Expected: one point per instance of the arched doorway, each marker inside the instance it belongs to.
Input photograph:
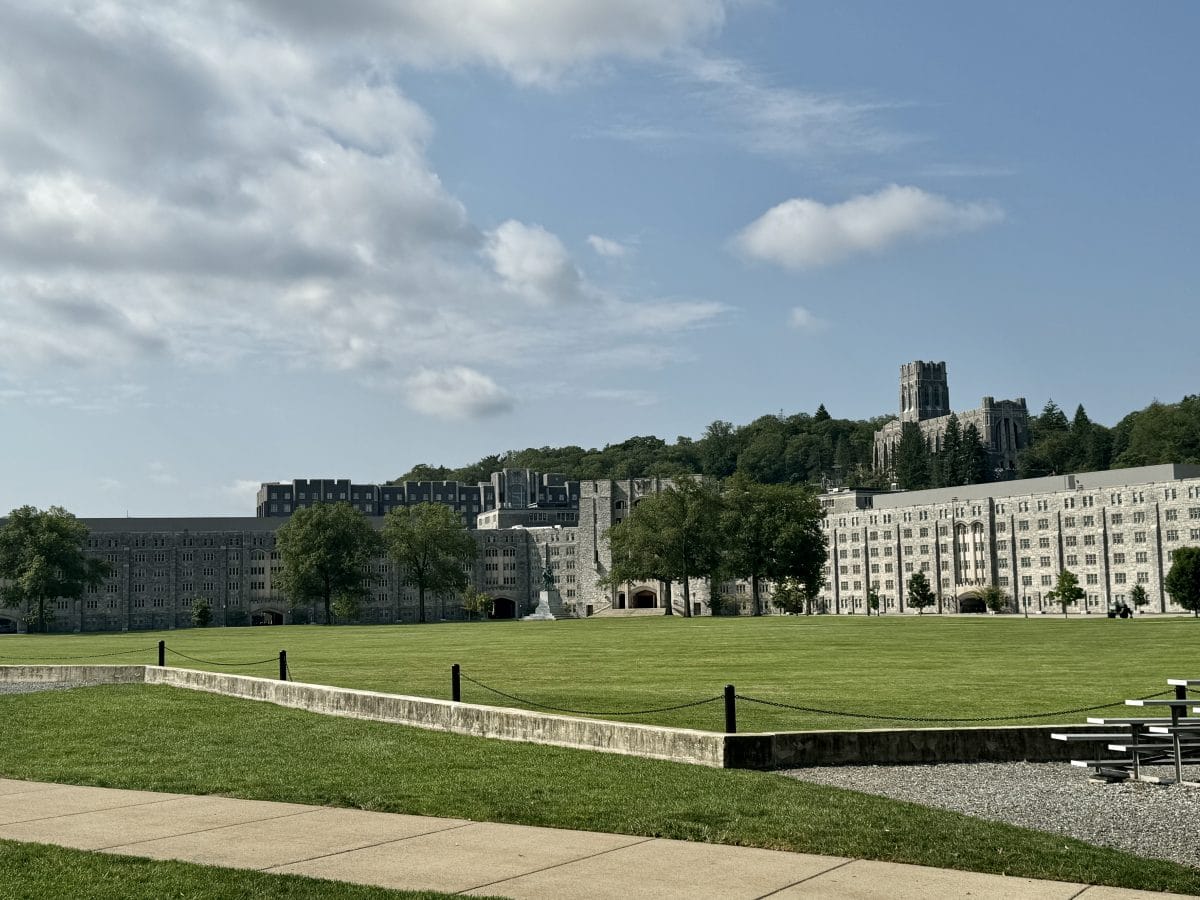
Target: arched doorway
(644, 599)
(267, 617)
(502, 608)
(971, 603)
(7, 626)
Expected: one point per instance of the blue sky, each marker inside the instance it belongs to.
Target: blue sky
(256, 241)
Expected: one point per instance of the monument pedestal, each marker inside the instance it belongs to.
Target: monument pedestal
(542, 613)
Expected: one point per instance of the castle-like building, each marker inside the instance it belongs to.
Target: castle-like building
(1114, 529)
(1003, 425)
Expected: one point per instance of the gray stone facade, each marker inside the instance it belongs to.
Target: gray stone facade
(1003, 425)
(508, 489)
(1113, 529)
(161, 565)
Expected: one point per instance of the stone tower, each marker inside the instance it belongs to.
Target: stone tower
(924, 392)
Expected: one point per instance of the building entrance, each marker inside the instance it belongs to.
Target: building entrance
(267, 617)
(502, 608)
(645, 600)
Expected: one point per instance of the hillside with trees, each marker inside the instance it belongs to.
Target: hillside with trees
(820, 450)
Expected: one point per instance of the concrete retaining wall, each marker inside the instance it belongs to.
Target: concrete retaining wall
(59, 674)
(678, 744)
(737, 751)
(905, 746)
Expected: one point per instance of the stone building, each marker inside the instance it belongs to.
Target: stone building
(1113, 529)
(510, 490)
(1003, 425)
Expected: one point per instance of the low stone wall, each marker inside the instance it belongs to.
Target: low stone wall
(60, 674)
(906, 746)
(801, 749)
(678, 744)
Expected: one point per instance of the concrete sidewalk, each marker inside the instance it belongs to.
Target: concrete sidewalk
(457, 856)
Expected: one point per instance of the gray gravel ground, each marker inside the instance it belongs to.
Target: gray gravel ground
(1147, 819)
(29, 687)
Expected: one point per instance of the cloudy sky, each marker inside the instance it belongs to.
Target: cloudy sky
(290, 238)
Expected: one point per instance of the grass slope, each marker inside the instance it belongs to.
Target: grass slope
(38, 871)
(915, 666)
(156, 738)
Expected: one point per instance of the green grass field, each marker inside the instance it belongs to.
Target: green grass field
(915, 666)
(158, 738)
(38, 871)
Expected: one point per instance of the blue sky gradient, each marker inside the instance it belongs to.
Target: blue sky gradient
(241, 242)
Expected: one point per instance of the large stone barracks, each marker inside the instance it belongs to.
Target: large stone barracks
(1113, 529)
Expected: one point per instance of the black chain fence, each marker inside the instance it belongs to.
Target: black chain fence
(590, 712)
(40, 659)
(1016, 717)
(230, 665)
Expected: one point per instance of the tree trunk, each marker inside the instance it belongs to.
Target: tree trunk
(665, 587)
(754, 594)
(687, 598)
(421, 602)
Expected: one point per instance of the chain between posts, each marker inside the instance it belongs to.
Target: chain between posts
(584, 712)
(941, 719)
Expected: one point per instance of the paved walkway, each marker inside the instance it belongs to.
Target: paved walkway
(457, 856)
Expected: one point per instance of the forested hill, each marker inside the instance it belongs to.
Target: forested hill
(819, 449)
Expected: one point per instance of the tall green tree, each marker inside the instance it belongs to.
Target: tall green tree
(1138, 597)
(920, 594)
(41, 559)
(972, 457)
(325, 550)
(1067, 591)
(1183, 580)
(431, 547)
(912, 463)
(774, 532)
(674, 535)
(945, 466)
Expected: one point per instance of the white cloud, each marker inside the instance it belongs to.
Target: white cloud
(627, 396)
(803, 320)
(802, 233)
(533, 263)
(607, 247)
(243, 491)
(457, 392)
(533, 42)
(668, 315)
(160, 474)
(281, 204)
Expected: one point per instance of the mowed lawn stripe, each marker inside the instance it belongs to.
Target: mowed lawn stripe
(162, 739)
(916, 666)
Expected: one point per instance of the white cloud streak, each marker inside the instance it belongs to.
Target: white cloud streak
(801, 233)
(202, 184)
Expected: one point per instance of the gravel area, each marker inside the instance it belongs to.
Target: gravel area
(30, 687)
(1147, 819)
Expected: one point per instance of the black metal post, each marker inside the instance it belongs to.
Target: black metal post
(283, 665)
(455, 684)
(162, 653)
(730, 709)
(1181, 694)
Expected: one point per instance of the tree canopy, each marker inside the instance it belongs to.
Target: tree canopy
(773, 532)
(432, 547)
(674, 535)
(42, 558)
(325, 550)
(1067, 591)
(920, 594)
(1183, 579)
(818, 449)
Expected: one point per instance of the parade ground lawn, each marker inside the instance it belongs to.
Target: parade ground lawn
(165, 739)
(917, 666)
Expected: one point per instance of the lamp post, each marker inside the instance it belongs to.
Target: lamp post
(1026, 606)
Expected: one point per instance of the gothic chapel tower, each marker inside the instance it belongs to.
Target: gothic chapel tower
(924, 391)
